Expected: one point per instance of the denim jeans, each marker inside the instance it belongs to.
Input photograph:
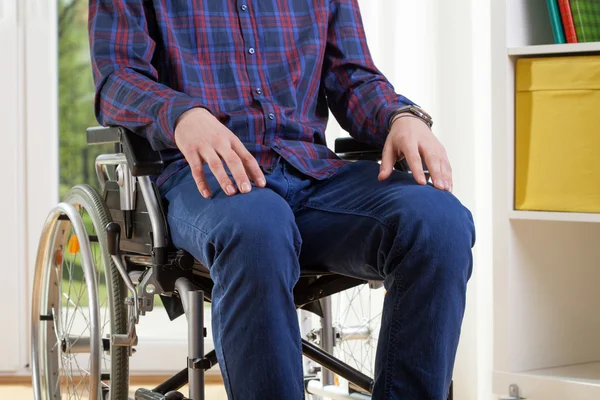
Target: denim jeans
(416, 239)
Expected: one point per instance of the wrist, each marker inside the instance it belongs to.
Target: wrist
(398, 117)
(191, 113)
(412, 111)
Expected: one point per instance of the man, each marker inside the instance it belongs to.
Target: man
(235, 93)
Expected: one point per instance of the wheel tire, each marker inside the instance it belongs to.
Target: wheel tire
(58, 343)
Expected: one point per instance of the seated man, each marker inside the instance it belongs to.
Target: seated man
(235, 95)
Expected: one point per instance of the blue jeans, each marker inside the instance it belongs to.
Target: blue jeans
(417, 239)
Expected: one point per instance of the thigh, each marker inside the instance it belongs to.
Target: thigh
(203, 227)
(356, 225)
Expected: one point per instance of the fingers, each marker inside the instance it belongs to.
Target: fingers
(216, 166)
(413, 158)
(241, 164)
(202, 138)
(439, 168)
(235, 165)
(388, 159)
(199, 177)
(434, 167)
(448, 171)
(250, 164)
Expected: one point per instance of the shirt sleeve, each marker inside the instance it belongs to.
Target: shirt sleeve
(359, 96)
(128, 93)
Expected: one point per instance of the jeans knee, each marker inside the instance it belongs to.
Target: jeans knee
(442, 229)
(262, 232)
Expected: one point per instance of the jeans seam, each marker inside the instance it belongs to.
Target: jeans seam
(395, 325)
(224, 363)
(288, 192)
(375, 216)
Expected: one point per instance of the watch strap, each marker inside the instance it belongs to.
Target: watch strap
(410, 111)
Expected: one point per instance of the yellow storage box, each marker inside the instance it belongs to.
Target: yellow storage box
(558, 134)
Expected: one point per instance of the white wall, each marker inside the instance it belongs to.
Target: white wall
(12, 234)
(437, 53)
(28, 130)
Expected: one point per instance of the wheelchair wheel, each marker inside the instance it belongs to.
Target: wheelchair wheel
(78, 302)
(356, 315)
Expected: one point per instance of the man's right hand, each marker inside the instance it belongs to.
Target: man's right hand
(202, 138)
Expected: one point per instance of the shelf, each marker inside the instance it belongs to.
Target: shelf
(555, 49)
(584, 373)
(553, 216)
(580, 381)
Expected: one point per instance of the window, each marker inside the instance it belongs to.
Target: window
(76, 97)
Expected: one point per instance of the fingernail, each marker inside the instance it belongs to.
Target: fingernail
(230, 190)
(246, 187)
(205, 194)
(262, 182)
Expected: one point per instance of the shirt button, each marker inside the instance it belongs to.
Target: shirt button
(271, 116)
(251, 50)
(244, 7)
(259, 91)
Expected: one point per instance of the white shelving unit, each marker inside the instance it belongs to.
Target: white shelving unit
(554, 49)
(546, 264)
(553, 216)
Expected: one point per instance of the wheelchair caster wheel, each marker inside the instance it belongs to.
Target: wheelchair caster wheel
(174, 395)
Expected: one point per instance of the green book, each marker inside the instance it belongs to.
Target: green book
(555, 18)
(586, 15)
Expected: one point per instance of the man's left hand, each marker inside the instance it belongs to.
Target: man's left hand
(412, 138)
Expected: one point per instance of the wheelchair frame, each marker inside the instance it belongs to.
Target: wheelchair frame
(138, 244)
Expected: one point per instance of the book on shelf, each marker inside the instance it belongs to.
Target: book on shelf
(567, 21)
(555, 19)
(586, 16)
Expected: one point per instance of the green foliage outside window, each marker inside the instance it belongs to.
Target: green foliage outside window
(76, 97)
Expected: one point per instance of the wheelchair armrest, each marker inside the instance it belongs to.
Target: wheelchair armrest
(141, 158)
(348, 148)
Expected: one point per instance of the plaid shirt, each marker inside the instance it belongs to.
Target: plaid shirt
(267, 69)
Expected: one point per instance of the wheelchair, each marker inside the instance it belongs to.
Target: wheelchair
(104, 256)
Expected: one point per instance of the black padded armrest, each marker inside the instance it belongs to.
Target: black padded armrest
(349, 146)
(141, 158)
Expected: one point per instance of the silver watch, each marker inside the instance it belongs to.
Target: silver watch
(414, 110)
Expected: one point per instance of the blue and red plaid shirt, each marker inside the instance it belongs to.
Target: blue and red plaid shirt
(267, 69)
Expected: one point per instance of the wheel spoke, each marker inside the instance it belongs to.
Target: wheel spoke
(86, 374)
(356, 312)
